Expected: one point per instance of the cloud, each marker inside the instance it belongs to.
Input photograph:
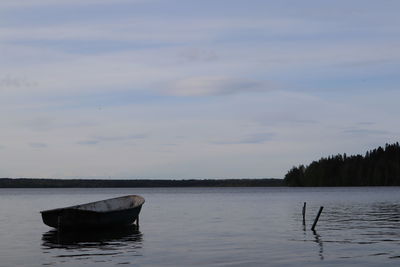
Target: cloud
(12, 82)
(258, 138)
(88, 142)
(365, 132)
(38, 145)
(100, 139)
(192, 56)
(40, 3)
(366, 123)
(47, 122)
(197, 55)
(177, 30)
(216, 85)
(120, 138)
(40, 123)
(287, 117)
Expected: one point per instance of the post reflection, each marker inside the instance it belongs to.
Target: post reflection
(318, 240)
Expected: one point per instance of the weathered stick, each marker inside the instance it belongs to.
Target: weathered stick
(304, 213)
(316, 219)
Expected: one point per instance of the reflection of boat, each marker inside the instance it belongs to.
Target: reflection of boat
(113, 238)
(105, 213)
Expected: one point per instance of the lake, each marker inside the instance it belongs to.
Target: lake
(210, 227)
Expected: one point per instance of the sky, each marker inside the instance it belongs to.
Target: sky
(173, 89)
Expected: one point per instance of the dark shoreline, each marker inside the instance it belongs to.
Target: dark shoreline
(100, 183)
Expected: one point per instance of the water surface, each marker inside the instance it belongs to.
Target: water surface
(210, 227)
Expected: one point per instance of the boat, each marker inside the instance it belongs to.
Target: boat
(109, 213)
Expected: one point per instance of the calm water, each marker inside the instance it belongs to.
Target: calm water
(210, 227)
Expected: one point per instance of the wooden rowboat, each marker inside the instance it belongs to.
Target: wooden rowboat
(112, 212)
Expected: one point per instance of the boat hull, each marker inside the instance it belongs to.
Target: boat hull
(77, 218)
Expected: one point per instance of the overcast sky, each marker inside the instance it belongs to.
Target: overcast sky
(193, 89)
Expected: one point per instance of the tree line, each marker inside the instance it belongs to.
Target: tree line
(87, 183)
(378, 167)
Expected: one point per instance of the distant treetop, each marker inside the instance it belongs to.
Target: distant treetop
(379, 167)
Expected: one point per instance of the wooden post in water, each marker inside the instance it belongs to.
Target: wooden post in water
(316, 219)
(304, 213)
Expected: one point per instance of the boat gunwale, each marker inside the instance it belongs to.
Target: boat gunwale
(74, 207)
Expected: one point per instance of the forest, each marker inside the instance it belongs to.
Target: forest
(378, 167)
